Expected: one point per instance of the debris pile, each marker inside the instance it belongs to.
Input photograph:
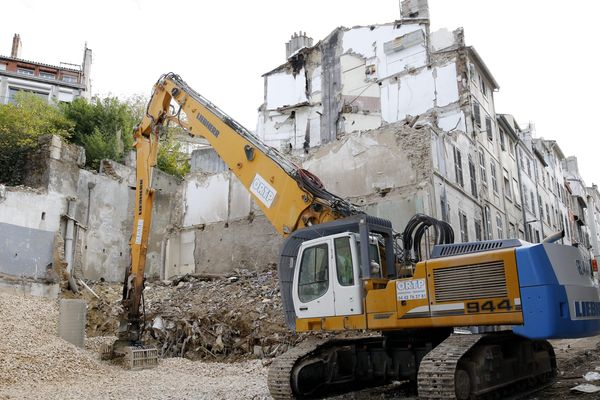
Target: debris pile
(215, 317)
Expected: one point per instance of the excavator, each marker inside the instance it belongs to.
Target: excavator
(468, 320)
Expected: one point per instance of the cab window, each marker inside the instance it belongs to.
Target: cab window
(313, 279)
(343, 258)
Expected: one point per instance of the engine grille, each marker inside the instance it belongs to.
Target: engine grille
(470, 282)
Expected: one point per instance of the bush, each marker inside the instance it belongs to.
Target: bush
(21, 125)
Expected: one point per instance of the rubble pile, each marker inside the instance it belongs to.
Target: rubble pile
(230, 317)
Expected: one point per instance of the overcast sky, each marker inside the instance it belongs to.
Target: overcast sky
(544, 54)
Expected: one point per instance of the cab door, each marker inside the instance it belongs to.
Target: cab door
(346, 282)
(313, 280)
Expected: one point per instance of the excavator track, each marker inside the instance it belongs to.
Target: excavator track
(280, 372)
(486, 366)
(436, 378)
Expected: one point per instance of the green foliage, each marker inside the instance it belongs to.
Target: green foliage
(170, 157)
(21, 124)
(103, 127)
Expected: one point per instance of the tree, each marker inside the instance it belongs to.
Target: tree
(103, 127)
(170, 158)
(21, 125)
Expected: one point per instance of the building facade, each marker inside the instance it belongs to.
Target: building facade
(55, 84)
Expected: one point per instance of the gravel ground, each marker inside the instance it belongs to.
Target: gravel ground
(35, 363)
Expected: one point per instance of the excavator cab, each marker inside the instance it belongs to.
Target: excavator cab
(328, 275)
(324, 268)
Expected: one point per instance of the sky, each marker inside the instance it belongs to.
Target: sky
(544, 54)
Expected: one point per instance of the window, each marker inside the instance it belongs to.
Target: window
(313, 279)
(482, 167)
(2, 67)
(444, 209)
(530, 230)
(547, 214)
(488, 128)
(47, 75)
(502, 140)
(478, 236)
(528, 162)
(499, 225)
(512, 231)
(473, 177)
(541, 207)
(494, 178)
(537, 236)
(488, 222)
(507, 185)
(543, 179)
(532, 202)
(477, 114)
(515, 186)
(464, 234)
(524, 190)
(13, 91)
(69, 78)
(458, 167)
(482, 85)
(25, 71)
(343, 258)
(511, 147)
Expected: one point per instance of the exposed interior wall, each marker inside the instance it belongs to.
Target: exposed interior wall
(103, 215)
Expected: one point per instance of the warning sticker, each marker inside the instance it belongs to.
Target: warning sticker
(411, 289)
(138, 233)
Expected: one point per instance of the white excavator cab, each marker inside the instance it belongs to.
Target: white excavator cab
(327, 277)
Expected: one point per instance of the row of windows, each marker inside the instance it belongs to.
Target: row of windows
(477, 226)
(458, 173)
(543, 176)
(47, 75)
(532, 234)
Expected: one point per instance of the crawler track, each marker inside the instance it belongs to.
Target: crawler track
(486, 366)
(436, 378)
(280, 372)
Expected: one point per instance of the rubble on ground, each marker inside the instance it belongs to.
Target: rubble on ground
(215, 317)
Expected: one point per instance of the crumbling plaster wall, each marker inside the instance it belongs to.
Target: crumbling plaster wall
(386, 171)
(31, 218)
(221, 227)
(106, 205)
(358, 79)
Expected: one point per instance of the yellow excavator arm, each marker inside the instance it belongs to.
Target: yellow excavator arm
(290, 198)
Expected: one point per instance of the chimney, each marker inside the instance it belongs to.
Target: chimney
(86, 68)
(16, 47)
(298, 41)
(414, 9)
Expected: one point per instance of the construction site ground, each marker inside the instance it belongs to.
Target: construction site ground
(227, 328)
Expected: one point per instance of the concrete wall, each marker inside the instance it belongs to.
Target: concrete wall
(32, 217)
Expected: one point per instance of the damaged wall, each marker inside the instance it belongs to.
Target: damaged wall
(103, 215)
(30, 217)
